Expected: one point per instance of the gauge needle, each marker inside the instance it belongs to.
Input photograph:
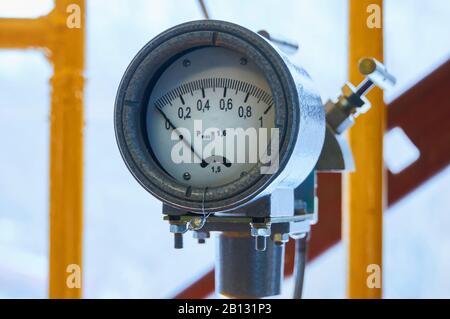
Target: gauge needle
(203, 163)
(216, 159)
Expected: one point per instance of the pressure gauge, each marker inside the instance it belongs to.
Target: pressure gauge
(218, 124)
(210, 116)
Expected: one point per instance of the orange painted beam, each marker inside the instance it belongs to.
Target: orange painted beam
(423, 112)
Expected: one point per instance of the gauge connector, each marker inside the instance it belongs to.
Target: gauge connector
(352, 101)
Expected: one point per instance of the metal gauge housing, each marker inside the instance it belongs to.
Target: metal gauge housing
(204, 80)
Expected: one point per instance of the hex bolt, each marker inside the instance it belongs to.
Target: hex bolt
(178, 241)
(260, 243)
(177, 229)
(200, 236)
(260, 231)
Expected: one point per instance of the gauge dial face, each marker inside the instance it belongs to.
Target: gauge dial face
(203, 114)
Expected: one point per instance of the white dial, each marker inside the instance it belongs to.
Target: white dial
(201, 98)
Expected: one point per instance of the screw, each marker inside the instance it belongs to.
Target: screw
(243, 61)
(260, 231)
(187, 176)
(186, 63)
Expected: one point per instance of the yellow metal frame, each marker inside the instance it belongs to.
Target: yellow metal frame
(364, 189)
(64, 47)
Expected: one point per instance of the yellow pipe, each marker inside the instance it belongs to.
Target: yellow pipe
(65, 50)
(66, 150)
(364, 191)
(24, 33)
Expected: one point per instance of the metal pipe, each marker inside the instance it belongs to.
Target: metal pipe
(66, 149)
(364, 192)
(301, 251)
(244, 272)
(24, 33)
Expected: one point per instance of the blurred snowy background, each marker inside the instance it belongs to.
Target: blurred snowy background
(127, 248)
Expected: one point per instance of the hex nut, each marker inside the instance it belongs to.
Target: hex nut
(281, 238)
(260, 231)
(178, 228)
(200, 234)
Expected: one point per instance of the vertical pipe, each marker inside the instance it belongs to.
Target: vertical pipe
(244, 272)
(364, 191)
(64, 46)
(66, 153)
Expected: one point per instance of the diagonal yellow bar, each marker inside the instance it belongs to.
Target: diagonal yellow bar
(63, 44)
(364, 189)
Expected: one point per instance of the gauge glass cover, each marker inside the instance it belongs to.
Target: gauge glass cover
(202, 114)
